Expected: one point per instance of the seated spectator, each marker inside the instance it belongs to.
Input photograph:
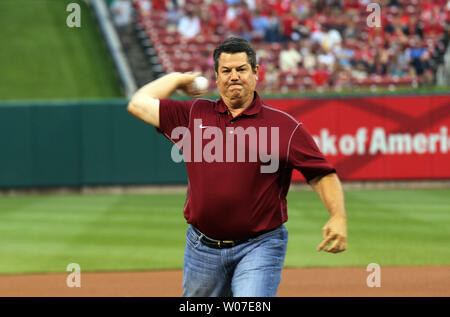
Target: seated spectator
(378, 67)
(238, 21)
(308, 57)
(272, 81)
(321, 77)
(302, 8)
(245, 14)
(404, 59)
(159, 5)
(317, 33)
(367, 57)
(273, 29)
(395, 69)
(218, 8)
(262, 72)
(174, 4)
(394, 28)
(376, 37)
(326, 58)
(428, 10)
(279, 7)
(345, 56)
(251, 4)
(299, 31)
(239, 28)
(350, 31)
(416, 53)
(381, 61)
(245, 19)
(414, 27)
(352, 6)
(144, 7)
(262, 53)
(231, 15)
(288, 22)
(189, 25)
(359, 72)
(260, 24)
(173, 17)
(330, 37)
(289, 57)
(208, 23)
(122, 13)
(428, 74)
(343, 80)
(404, 16)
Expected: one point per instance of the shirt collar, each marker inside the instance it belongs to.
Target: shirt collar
(254, 107)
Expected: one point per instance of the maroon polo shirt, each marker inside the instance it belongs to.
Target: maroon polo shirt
(231, 198)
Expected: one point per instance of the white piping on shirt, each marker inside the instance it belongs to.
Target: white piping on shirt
(277, 110)
(288, 149)
(289, 143)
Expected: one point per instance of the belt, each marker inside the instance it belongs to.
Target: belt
(217, 244)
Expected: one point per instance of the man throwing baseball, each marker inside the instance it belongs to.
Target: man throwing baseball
(236, 210)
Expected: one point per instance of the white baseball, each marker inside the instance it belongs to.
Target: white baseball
(200, 83)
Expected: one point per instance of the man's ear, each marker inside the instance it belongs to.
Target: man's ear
(256, 70)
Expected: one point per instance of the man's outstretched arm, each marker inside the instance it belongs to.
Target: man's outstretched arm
(330, 190)
(145, 102)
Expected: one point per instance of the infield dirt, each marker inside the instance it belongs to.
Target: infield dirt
(299, 282)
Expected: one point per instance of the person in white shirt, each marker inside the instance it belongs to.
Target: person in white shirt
(189, 25)
(122, 13)
(290, 57)
(327, 58)
(122, 16)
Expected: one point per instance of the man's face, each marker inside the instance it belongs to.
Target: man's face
(235, 79)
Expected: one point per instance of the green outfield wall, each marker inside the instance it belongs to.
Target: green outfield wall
(81, 144)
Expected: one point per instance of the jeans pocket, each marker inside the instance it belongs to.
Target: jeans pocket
(192, 238)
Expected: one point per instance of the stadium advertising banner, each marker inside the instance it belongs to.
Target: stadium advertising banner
(378, 138)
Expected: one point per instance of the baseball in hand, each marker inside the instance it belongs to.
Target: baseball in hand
(200, 84)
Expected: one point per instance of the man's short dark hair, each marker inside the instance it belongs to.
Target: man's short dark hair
(234, 45)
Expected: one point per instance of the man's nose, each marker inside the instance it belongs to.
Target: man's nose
(234, 75)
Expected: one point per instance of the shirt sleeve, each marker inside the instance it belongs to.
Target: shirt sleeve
(305, 156)
(172, 114)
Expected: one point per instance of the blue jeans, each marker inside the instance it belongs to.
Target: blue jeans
(250, 269)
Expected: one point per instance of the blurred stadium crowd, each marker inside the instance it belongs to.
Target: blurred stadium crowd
(317, 44)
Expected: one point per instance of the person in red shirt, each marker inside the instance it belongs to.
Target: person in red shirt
(158, 5)
(236, 201)
(288, 22)
(218, 9)
(321, 76)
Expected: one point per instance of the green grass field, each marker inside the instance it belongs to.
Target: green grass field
(42, 58)
(142, 232)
